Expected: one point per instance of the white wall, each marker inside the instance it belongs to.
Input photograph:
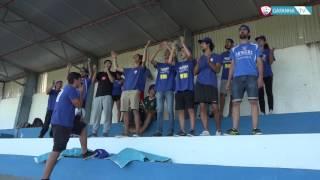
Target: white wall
(8, 111)
(297, 151)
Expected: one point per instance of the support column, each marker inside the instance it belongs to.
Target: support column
(188, 38)
(26, 99)
(90, 95)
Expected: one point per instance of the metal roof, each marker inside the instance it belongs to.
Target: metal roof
(41, 35)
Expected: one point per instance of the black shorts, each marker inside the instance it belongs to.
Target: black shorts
(61, 134)
(184, 100)
(116, 98)
(206, 94)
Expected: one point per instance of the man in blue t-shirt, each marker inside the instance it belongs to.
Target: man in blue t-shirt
(53, 92)
(226, 63)
(268, 59)
(206, 89)
(133, 82)
(184, 86)
(247, 73)
(64, 123)
(164, 89)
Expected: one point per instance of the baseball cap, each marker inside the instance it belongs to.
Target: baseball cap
(206, 40)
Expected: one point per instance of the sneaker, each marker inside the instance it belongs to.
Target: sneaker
(105, 134)
(256, 132)
(135, 135)
(88, 155)
(205, 133)
(93, 135)
(218, 133)
(181, 133)
(233, 132)
(157, 134)
(271, 111)
(191, 133)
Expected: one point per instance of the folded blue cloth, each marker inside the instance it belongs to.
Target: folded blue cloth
(122, 159)
(74, 153)
(128, 155)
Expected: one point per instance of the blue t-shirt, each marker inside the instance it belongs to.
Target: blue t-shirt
(165, 77)
(184, 76)
(134, 78)
(245, 59)
(52, 98)
(206, 74)
(267, 71)
(64, 111)
(117, 88)
(226, 63)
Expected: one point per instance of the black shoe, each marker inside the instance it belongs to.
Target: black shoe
(157, 134)
(256, 132)
(233, 132)
(105, 134)
(181, 133)
(88, 155)
(191, 133)
(93, 135)
(170, 134)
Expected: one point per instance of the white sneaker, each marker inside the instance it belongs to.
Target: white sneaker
(205, 133)
(218, 133)
(135, 135)
(271, 112)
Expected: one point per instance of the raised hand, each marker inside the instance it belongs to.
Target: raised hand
(182, 40)
(114, 55)
(148, 44)
(94, 68)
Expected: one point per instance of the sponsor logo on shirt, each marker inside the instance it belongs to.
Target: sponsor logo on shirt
(183, 68)
(135, 71)
(211, 59)
(164, 70)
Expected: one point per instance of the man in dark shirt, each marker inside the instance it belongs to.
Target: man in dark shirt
(53, 92)
(102, 103)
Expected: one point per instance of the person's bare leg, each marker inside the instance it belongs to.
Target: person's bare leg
(204, 116)
(118, 109)
(150, 116)
(235, 115)
(217, 117)
(126, 123)
(192, 117)
(181, 120)
(254, 113)
(136, 120)
(222, 103)
(51, 162)
(83, 140)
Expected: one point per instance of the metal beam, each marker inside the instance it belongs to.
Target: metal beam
(11, 79)
(149, 36)
(86, 24)
(51, 34)
(211, 11)
(10, 30)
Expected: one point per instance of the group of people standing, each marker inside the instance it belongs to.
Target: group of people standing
(246, 67)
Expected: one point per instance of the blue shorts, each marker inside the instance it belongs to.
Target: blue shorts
(242, 84)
